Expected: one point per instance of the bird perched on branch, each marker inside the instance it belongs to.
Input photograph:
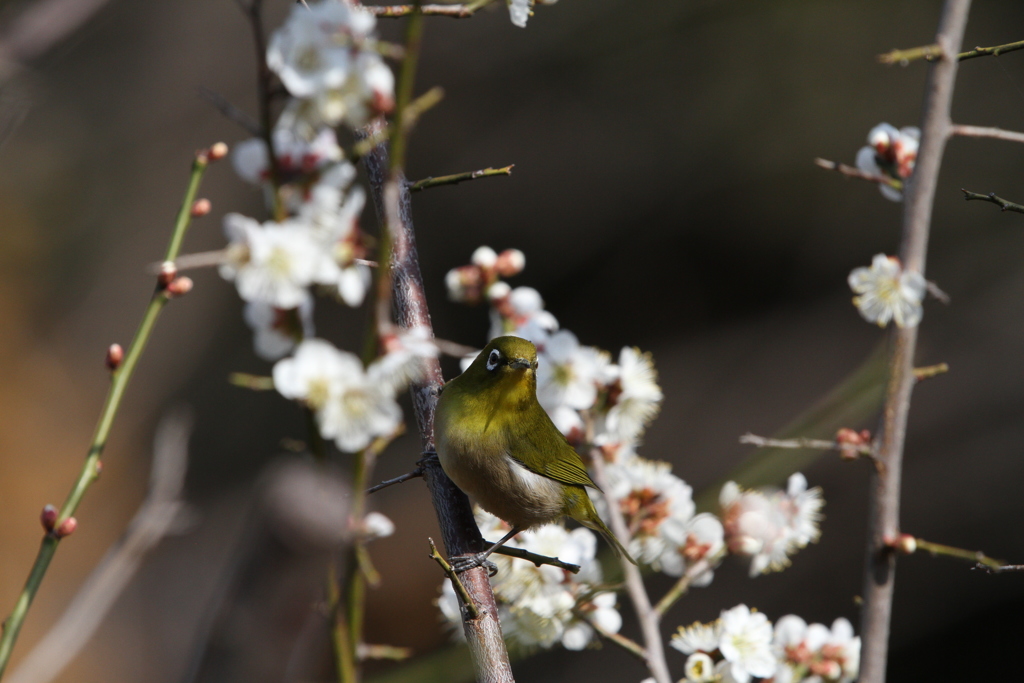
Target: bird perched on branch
(496, 442)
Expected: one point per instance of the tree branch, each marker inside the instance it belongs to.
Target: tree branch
(933, 53)
(459, 177)
(537, 560)
(986, 132)
(991, 51)
(884, 497)
(463, 11)
(852, 172)
(1003, 204)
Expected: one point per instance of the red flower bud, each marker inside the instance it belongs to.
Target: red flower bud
(200, 207)
(115, 354)
(48, 517)
(66, 528)
(218, 151)
(180, 286)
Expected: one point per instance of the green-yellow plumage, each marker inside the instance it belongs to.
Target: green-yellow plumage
(496, 442)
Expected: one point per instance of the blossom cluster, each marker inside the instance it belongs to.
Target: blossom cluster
(605, 407)
(741, 644)
(890, 153)
(353, 405)
(543, 606)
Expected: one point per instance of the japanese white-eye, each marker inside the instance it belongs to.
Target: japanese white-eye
(496, 442)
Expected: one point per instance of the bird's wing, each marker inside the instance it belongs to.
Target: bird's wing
(568, 468)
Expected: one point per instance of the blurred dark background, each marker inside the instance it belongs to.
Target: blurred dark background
(665, 196)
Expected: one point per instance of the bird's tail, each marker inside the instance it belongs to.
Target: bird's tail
(597, 524)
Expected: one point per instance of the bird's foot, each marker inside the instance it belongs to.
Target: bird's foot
(466, 562)
(426, 456)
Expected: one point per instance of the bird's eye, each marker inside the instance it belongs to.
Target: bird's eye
(493, 359)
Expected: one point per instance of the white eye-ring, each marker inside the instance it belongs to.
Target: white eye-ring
(493, 359)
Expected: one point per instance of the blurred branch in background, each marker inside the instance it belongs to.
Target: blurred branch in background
(259, 626)
(162, 513)
(38, 27)
(986, 132)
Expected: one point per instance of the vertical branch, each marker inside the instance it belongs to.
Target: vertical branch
(885, 486)
(649, 618)
(390, 193)
(118, 385)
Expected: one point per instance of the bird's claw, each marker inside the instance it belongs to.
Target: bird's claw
(426, 456)
(466, 562)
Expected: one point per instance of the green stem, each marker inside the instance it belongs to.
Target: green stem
(960, 553)
(344, 655)
(456, 178)
(91, 468)
(993, 51)
(406, 79)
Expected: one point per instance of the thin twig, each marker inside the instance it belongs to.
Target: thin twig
(453, 576)
(852, 172)
(933, 53)
(1004, 569)
(249, 381)
(986, 132)
(537, 560)
(628, 644)
(40, 26)
(929, 371)
(991, 51)
(160, 514)
(389, 652)
(1003, 204)
(463, 11)
(802, 442)
(654, 650)
(119, 383)
(683, 584)
(230, 111)
(959, 553)
(884, 497)
(418, 472)
(904, 57)
(937, 292)
(457, 178)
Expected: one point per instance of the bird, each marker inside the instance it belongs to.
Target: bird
(496, 442)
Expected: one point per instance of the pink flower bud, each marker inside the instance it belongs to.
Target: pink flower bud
(217, 151)
(48, 517)
(855, 441)
(200, 207)
(510, 262)
(168, 271)
(485, 257)
(115, 354)
(906, 544)
(66, 528)
(180, 286)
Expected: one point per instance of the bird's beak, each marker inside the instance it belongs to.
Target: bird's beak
(522, 364)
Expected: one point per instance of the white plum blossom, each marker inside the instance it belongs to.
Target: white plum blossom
(295, 155)
(700, 668)
(543, 606)
(697, 637)
(651, 498)
(769, 527)
(404, 355)
(323, 55)
(377, 525)
(521, 312)
(353, 406)
(274, 263)
(568, 373)
(520, 11)
(699, 538)
(815, 653)
(886, 291)
(276, 331)
(635, 394)
(891, 153)
(745, 643)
